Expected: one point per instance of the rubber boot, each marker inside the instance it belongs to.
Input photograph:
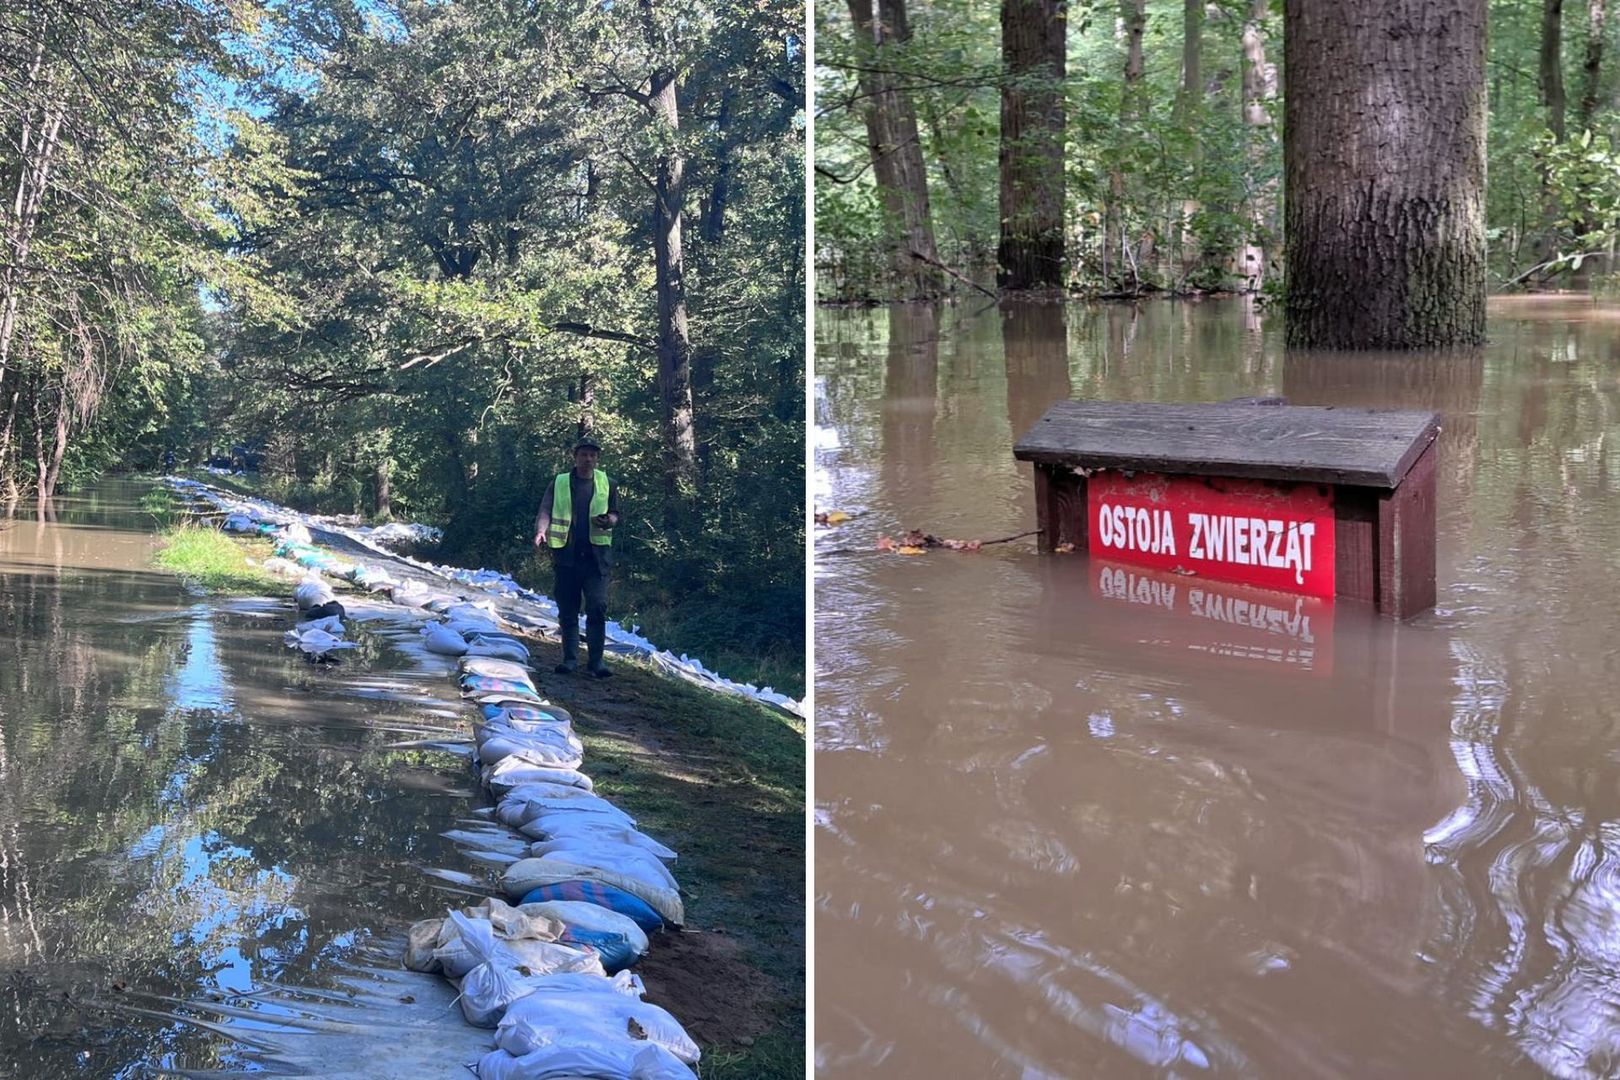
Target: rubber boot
(570, 648)
(595, 639)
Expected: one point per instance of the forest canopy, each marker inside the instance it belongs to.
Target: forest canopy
(1159, 126)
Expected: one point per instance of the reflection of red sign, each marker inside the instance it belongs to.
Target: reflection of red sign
(1276, 536)
(1224, 622)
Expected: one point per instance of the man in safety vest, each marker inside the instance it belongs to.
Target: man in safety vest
(577, 515)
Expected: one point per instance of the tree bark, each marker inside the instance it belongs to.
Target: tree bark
(896, 149)
(1030, 255)
(1132, 21)
(380, 489)
(1189, 98)
(674, 343)
(1597, 17)
(1385, 173)
(1551, 75)
(1259, 90)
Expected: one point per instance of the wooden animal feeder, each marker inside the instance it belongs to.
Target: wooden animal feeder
(1328, 502)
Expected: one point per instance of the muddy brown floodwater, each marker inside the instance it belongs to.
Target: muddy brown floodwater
(1076, 820)
(209, 848)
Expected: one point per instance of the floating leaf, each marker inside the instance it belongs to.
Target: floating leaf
(1064, 549)
(837, 517)
(909, 549)
(886, 543)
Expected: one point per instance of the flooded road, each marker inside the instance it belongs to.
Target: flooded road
(1077, 819)
(208, 850)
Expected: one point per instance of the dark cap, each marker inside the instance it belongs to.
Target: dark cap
(587, 444)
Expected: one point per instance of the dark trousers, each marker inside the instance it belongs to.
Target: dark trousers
(574, 581)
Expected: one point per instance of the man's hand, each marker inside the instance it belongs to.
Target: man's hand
(604, 521)
(539, 539)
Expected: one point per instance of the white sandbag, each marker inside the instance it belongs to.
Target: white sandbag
(540, 749)
(603, 1014)
(525, 767)
(491, 668)
(586, 1060)
(494, 980)
(315, 642)
(500, 648)
(331, 624)
(536, 815)
(298, 533)
(526, 875)
(465, 625)
(282, 568)
(312, 592)
(442, 641)
(598, 830)
(621, 858)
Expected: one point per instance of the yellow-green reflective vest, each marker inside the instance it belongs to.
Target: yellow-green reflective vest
(562, 510)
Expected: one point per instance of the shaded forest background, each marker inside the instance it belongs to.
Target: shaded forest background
(1167, 157)
(403, 253)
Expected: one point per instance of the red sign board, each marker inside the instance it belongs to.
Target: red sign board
(1275, 536)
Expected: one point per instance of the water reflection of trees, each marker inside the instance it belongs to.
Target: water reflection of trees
(171, 848)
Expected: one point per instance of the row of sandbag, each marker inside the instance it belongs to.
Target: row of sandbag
(587, 886)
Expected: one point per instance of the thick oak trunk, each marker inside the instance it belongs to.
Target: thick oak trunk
(1384, 146)
(1030, 255)
(896, 149)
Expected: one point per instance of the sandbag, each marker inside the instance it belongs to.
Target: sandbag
(500, 648)
(314, 642)
(494, 669)
(297, 533)
(586, 1060)
(526, 875)
(331, 624)
(539, 748)
(520, 711)
(615, 937)
(495, 980)
(528, 767)
(475, 684)
(604, 1011)
(601, 829)
(606, 854)
(442, 641)
(312, 592)
(603, 896)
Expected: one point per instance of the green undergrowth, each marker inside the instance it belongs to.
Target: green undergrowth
(722, 780)
(206, 558)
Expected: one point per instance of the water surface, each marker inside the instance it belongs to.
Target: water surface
(1079, 820)
(208, 846)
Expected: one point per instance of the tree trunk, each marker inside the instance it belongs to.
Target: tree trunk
(896, 148)
(1551, 74)
(1132, 21)
(59, 445)
(674, 343)
(1385, 176)
(1259, 89)
(1030, 255)
(1597, 16)
(382, 496)
(1189, 99)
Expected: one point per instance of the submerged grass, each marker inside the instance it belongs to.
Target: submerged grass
(207, 558)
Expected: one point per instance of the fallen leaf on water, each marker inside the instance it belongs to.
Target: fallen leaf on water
(886, 543)
(909, 549)
(1064, 549)
(836, 517)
